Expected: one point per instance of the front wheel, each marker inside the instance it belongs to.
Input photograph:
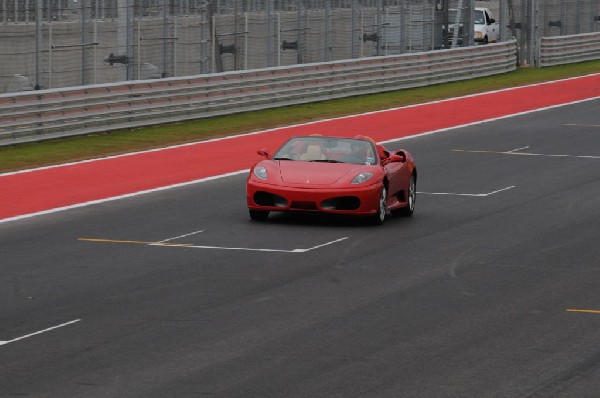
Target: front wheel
(259, 215)
(408, 210)
(379, 217)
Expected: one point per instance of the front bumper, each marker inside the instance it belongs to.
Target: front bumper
(363, 200)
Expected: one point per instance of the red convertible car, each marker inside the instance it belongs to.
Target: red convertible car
(314, 173)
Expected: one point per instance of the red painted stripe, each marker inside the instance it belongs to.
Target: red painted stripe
(67, 185)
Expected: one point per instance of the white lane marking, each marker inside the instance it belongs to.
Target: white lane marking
(518, 149)
(318, 246)
(186, 245)
(580, 125)
(39, 332)
(530, 154)
(488, 120)
(333, 119)
(180, 236)
(129, 195)
(555, 156)
(262, 250)
(477, 195)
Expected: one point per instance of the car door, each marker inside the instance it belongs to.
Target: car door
(492, 28)
(398, 176)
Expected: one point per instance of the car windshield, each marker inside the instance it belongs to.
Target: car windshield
(328, 150)
(478, 17)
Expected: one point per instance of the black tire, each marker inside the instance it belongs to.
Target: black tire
(485, 40)
(408, 210)
(379, 217)
(259, 215)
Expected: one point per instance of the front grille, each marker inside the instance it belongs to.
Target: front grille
(341, 203)
(262, 198)
(302, 205)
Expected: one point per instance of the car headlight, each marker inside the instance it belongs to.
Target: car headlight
(478, 35)
(362, 177)
(260, 172)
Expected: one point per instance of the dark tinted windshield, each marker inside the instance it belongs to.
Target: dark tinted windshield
(479, 18)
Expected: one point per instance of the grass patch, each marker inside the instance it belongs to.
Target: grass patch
(63, 150)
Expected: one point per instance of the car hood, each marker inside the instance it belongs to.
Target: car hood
(315, 173)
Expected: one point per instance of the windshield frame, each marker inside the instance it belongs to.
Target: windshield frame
(332, 150)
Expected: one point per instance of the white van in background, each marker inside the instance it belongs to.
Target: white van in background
(486, 28)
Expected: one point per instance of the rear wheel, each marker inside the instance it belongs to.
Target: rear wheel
(259, 215)
(412, 197)
(379, 217)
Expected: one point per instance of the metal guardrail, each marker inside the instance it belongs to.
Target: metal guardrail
(47, 114)
(569, 49)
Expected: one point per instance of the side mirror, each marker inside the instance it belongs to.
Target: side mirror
(402, 154)
(397, 159)
(492, 20)
(264, 153)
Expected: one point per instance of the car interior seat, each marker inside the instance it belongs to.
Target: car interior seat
(313, 152)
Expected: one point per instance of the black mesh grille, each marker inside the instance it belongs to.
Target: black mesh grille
(262, 198)
(341, 203)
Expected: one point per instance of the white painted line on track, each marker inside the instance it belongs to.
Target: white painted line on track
(268, 250)
(580, 125)
(490, 120)
(191, 246)
(319, 246)
(39, 332)
(476, 195)
(530, 154)
(180, 236)
(130, 195)
(518, 149)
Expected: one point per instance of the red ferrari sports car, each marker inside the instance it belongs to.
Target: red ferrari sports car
(333, 175)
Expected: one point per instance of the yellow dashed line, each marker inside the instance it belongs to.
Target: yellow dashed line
(586, 311)
(134, 242)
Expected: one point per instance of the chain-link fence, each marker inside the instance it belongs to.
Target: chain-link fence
(60, 43)
(529, 20)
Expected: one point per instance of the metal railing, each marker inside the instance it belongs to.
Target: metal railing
(569, 49)
(47, 114)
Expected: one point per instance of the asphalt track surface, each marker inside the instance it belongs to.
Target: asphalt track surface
(489, 290)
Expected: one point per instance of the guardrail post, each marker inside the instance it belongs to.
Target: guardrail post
(122, 36)
(245, 41)
(38, 43)
(353, 28)
(165, 6)
(534, 33)
(270, 29)
(502, 20)
(84, 42)
(328, 29)
(379, 23)
(278, 39)
(300, 33)
(471, 26)
(129, 46)
(593, 8)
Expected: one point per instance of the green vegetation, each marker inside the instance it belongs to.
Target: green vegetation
(99, 145)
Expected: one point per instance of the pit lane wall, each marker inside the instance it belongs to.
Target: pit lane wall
(46, 114)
